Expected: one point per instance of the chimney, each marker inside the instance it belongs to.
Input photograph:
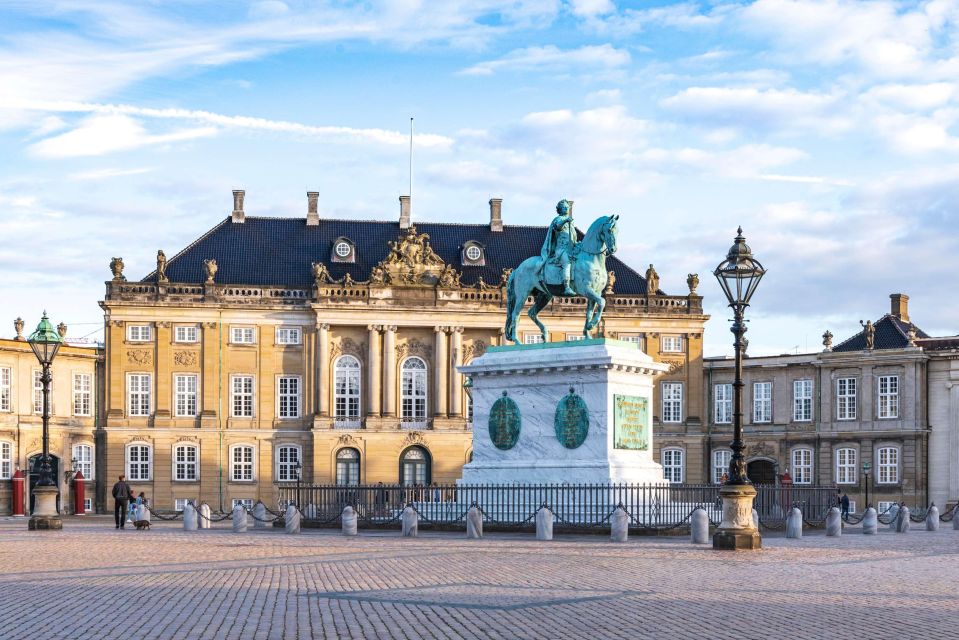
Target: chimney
(496, 214)
(239, 216)
(899, 306)
(312, 216)
(404, 212)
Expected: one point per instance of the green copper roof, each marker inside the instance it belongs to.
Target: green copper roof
(45, 332)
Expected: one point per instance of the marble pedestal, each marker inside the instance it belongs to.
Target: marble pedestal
(614, 380)
(45, 516)
(737, 531)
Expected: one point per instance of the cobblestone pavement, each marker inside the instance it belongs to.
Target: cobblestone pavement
(92, 581)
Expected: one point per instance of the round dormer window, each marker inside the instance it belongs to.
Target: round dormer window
(473, 253)
(343, 249)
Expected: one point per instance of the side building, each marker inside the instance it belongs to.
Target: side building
(272, 349)
(943, 395)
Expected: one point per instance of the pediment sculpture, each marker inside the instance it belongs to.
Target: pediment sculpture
(411, 261)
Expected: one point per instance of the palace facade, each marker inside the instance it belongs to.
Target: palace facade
(272, 349)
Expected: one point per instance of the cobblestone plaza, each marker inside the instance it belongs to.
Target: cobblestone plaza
(92, 581)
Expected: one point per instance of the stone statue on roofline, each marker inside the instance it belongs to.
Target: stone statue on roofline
(210, 266)
(161, 266)
(652, 281)
(116, 267)
(827, 341)
(869, 331)
(321, 275)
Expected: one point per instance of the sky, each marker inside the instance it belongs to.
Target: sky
(826, 128)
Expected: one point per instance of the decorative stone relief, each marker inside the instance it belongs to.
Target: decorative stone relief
(675, 366)
(761, 449)
(505, 423)
(412, 438)
(474, 350)
(348, 346)
(140, 356)
(347, 440)
(185, 358)
(571, 421)
(414, 347)
(411, 260)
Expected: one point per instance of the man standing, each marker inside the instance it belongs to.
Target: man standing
(121, 498)
(845, 505)
(559, 243)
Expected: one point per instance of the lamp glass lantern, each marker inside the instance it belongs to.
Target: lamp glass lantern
(45, 341)
(739, 274)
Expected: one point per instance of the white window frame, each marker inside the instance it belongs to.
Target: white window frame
(242, 335)
(636, 338)
(846, 469)
(38, 393)
(574, 337)
(133, 473)
(88, 505)
(179, 504)
(470, 253)
(243, 470)
(6, 459)
(186, 333)
(347, 466)
(347, 388)
(85, 463)
(723, 403)
(185, 469)
(531, 337)
(289, 335)
(246, 502)
(762, 402)
(287, 401)
(674, 464)
(83, 394)
(847, 390)
(415, 394)
(672, 393)
(286, 469)
(6, 389)
(887, 391)
(186, 397)
(803, 465)
(248, 397)
(135, 397)
(671, 344)
(721, 460)
(852, 507)
(343, 254)
(884, 505)
(887, 466)
(139, 333)
(802, 400)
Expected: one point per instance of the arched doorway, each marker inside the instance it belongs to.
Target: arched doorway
(761, 471)
(34, 465)
(415, 466)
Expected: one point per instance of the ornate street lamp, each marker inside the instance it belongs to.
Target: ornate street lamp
(299, 472)
(739, 275)
(866, 466)
(45, 342)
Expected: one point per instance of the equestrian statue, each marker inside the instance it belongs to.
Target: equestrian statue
(564, 267)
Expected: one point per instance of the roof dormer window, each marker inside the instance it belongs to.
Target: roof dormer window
(474, 254)
(343, 250)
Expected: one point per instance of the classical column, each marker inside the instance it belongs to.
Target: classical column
(389, 370)
(373, 406)
(211, 384)
(440, 377)
(116, 381)
(323, 367)
(456, 379)
(164, 393)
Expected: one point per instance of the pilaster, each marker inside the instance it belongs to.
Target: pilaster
(211, 370)
(323, 368)
(375, 369)
(163, 371)
(115, 374)
(441, 376)
(456, 378)
(389, 371)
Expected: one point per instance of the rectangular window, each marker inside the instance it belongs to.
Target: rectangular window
(852, 506)
(574, 337)
(6, 378)
(673, 465)
(185, 394)
(180, 503)
(802, 466)
(846, 399)
(636, 338)
(83, 453)
(846, 466)
(883, 506)
(138, 333)
(287, 461)
(242, 392)
(82, 391)
(246, 502)
(762, 401)
(242, 335)
(888, 396)
(138, 394)
(139, 462)
(802, 400)
(88, 505)
(6, 460)
(185, 334)
(288, 335)
(724, 403)
(241, 464)
(721, 460)
(38, 392)
(672, 402)
(532, 338)
(185, 463)
(671, 344)
(888, 459)
(288, 397)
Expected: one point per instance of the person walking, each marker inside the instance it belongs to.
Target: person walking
(121, 499)
(845, 505)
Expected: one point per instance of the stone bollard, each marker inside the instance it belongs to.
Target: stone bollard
(410, 521)
(474, 523)
(544, 524)
(189, 517)
(699, 527)
(756, 519)
(902, 523)
(204, 516)
(239, 519)
(870, 522)
(894, 517)
(834, 522)
(291, 519)
(619, 525)
(794, 523)
(955, 518)
(932, 518)
(260, 520)
(349, 521)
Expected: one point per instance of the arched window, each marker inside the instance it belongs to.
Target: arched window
(413, 386)
(846, 465)
(242, 458)
(673, 465)
(83, 454)
(887, 462)
(185, 463)
(802, 466)
(347, 467)
(721, 458)
(346, 388)
(287, 463)
(6, 460)
(415, 467)
(139, 462)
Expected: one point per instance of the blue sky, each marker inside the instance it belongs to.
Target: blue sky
(827, 129)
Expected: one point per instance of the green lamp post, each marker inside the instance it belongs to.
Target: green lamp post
(866, 466)
(45, 342)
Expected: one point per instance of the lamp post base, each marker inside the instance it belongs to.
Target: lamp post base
(45, 516)
(737, 531)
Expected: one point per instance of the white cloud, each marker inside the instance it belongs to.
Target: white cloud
(109, 172)
(101, 134)
(552, 58)
(590, 8)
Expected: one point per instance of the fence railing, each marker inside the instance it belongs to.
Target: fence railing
(574, 506)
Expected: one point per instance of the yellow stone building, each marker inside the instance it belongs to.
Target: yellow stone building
(73, 418)
(273, 343)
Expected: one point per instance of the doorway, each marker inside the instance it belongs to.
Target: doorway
(34, 466)
(761, 472)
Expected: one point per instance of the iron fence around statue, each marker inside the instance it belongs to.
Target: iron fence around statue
(660, 507)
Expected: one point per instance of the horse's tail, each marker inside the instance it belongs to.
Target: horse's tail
(511, 311)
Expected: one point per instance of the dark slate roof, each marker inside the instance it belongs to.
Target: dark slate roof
(891, 333)
(942, 343)
(279, 251)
